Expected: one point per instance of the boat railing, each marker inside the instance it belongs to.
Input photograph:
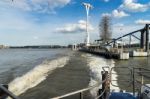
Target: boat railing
(102, 93)
(141, 79)
(137, 78)
(107, 80)
(128, 75)
(4, 93)
(134, 78)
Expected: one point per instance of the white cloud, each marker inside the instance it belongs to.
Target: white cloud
(106, 14)
(116, 14)
(132, 5)
(42, 6)
(16, 29)
(74, 28)
(140, 21)
(119, 14)
(118, 25)
(120, 31)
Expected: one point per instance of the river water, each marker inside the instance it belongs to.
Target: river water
(47, 73)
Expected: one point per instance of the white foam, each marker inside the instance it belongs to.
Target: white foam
(95, 64)
(36, 75)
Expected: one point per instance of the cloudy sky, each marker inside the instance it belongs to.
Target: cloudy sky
(44, 22)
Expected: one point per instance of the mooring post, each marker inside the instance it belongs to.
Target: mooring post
(147, 38)
(105, 85)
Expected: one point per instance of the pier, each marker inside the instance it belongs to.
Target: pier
(116, 51)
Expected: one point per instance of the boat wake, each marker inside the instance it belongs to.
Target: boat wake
(36, 75)
(95, 64)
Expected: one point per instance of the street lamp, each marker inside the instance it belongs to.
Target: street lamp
(87, 7)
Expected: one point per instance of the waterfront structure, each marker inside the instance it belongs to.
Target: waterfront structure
(144, 38)
(3, 46)
(74, 47)
(123, 51)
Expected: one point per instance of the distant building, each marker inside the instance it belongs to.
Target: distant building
(1, 46)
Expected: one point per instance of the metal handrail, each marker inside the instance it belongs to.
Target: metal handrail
(75, 92)
(142, 68)
(141, 83)
(105, 68)
(83, 90)
(100, 94)
(119, 74)
(6, 91)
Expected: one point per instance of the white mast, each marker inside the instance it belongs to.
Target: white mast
(87, 7)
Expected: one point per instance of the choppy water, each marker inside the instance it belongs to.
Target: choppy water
(23, 69)
(46, 73)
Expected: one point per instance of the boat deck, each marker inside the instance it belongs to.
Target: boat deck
(120, 95)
